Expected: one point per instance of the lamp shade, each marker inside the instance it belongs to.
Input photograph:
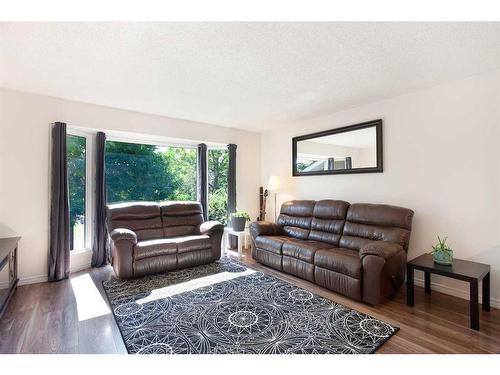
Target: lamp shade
(274, 183)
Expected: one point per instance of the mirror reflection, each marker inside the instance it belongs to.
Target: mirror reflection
(355, 149)
(347, 149)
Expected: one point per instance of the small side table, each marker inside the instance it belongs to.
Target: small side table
(464, 270)
(243, 239)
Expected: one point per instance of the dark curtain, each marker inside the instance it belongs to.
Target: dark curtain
(348, 162)
(100, 249)
(203, 178)
(331, 164)
(231, 180)
(59, 207)
(231, 190)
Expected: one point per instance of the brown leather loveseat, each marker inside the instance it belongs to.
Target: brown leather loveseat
(149, 237)
(358, 250)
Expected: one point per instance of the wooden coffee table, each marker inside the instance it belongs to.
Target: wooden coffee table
(464, 270)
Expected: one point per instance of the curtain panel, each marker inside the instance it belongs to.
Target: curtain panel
(231, 180)
(231, 190)
(59, 243)
(100, 248)
(203, 178)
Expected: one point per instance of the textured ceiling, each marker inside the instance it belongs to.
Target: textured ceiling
(244, 75)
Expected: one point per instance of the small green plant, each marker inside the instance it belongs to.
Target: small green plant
(442, 251)
(242, 214)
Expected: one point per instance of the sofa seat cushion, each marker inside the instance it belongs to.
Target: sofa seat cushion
(193, 243)
(340, 260)
(303, 249)
(271, 243)
(153, 248)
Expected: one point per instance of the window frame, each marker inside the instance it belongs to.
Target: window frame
(149, 142)
(89, 186)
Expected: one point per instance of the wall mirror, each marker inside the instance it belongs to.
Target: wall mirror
(350, 149)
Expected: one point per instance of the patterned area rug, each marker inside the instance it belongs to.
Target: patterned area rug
(226, 307)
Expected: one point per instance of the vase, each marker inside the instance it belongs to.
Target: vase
(238, 223)
(443, 258)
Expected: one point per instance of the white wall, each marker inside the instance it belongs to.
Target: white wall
(441, 159)
(24, 161)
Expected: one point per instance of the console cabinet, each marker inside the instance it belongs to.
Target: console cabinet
(8, 270)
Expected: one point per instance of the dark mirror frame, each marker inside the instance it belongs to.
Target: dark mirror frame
(378, 169)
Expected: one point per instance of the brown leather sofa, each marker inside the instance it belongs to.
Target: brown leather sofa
(358, 250)
(149, 237)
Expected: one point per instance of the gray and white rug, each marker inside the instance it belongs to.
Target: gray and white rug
(226, 307)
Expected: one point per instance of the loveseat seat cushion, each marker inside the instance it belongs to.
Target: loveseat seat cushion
(303, 249)
(271, 243)
(193, 243)
(340, 260)
(153, 248)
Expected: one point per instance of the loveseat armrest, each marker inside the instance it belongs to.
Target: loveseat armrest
(123, 242)
(119, 234)
(383, 249)
(262, 228)
(214, 230)
(211, 227)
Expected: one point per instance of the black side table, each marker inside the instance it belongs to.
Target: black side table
(465, 270)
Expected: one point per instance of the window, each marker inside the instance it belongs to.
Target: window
(139, 172)
(76, 151)
(144, 172)
(218, 163)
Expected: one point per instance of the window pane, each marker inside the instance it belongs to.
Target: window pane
(76, 150)
(218, 162)
(140, 172)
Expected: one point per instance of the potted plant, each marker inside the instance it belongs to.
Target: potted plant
(238, 220)
(442, 253)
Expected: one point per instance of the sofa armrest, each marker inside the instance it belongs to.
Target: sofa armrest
(123, 234)
(261, 228)
(383, 270)
(211, 227)
(383, 249)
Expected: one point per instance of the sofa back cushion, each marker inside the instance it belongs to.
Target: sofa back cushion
(376, 222)
(141, 217)
(181, 218)
(296, 217)
(328, 221)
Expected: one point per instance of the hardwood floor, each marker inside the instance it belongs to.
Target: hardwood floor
(44, 318)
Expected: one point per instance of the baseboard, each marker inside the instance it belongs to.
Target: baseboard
(26, 281)
(80, 268)
(33, 280)
(460, 293)
(44, 278)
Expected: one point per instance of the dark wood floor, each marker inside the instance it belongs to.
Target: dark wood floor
(43, 318)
